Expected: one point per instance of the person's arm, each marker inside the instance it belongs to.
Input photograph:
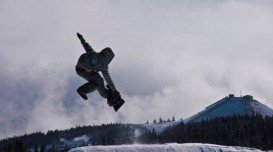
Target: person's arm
(86, 46)
(108, 80)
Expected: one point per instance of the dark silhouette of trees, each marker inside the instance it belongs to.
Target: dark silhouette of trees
(160, 120)
(249, 131)
(15, 146)
(105, 134)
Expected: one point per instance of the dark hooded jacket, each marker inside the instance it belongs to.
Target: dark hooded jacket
(92, 61)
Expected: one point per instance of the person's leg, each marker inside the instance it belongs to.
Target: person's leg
(90, 86)
(87, 87)
(101, 87)
(95, 82)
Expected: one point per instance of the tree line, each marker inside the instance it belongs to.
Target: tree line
(248, 131)
(105, 134)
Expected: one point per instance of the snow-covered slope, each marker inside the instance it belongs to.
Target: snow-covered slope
(81, 140)
(172, 147)
(227, 106)
(231, 105)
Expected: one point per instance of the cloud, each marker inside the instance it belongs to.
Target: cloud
(172, 59)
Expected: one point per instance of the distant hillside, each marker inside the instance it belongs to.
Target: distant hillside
(232, 105)
(106, 134)
(240, 121)
(248, 131)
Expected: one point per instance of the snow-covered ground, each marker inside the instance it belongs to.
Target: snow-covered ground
(171, 147)
(81, 140)
(261, 108)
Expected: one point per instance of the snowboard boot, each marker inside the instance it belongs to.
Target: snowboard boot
(82, 95)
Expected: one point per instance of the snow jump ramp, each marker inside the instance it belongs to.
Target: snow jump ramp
(171, 147)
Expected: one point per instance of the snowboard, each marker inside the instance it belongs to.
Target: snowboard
(118, 104)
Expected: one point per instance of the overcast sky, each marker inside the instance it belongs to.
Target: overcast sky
(173, 58)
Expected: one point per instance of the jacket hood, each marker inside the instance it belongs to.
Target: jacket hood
(107, 55)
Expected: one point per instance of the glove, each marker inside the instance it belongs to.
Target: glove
(79, 35)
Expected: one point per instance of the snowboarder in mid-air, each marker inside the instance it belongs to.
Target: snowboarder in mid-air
(88, 66)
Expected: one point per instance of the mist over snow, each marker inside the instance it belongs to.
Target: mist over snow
(172, 59)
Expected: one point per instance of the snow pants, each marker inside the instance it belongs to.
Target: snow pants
(95, 82)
